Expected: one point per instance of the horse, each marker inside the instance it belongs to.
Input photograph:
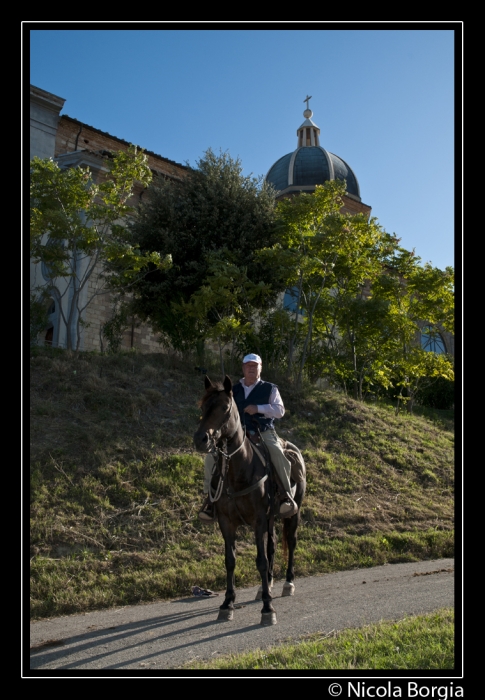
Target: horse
(242, 488)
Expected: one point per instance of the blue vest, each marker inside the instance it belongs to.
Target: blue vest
(258, 396)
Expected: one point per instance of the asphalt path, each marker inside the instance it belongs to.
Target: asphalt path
(166, 635)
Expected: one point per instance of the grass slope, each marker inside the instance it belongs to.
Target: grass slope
(115, 483)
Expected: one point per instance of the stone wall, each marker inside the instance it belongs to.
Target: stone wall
(138, 336)
(73, 137)
(44, 118)
(352, 206)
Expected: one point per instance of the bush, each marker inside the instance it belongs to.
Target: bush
(38, 318)
(437, 393)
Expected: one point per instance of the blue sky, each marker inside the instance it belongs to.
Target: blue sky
(383, 97)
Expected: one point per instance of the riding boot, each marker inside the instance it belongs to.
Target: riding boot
(207, 512)
(288, 506)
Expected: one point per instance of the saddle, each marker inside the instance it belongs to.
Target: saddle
(264, 455)
(276, 488)
(292, 453)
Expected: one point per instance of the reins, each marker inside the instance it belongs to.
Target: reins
(226, 457)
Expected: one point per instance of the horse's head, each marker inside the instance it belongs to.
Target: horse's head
(219, 415)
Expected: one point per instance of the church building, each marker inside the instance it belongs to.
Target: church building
(72, 143)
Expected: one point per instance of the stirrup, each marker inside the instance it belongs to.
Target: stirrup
(288, 507)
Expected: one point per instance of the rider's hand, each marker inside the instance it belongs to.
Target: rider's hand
(252, 409)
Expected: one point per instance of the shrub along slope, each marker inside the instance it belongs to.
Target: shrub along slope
(115, 483)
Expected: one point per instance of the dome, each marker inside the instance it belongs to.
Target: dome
(310, 164)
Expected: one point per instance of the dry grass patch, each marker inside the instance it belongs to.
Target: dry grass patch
(115, 483)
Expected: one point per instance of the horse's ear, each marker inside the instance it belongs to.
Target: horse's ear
(207, 382)
(227, 384)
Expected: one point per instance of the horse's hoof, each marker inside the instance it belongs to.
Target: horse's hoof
(288, 589)
(226, 614)
(268, 618)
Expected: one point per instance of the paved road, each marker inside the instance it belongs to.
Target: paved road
(166, 635)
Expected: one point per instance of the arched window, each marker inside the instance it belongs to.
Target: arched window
(49, 335)
(51, 331)
(432, 341)
(290, 301)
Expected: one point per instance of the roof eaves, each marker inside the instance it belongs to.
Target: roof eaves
(105, 133)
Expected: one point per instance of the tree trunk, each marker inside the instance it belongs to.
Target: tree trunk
(292, 342)
(354, 362)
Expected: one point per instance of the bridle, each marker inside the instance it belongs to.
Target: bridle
(216, 436)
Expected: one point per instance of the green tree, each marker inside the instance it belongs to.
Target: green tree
(327, 258)
(224, 305)
(415, 295)
(350, 343)
(212, 223)
(78, 231)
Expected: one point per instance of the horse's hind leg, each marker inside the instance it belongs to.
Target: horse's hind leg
(259, 592)
(270, 555)
(226, 610)
(290, 526)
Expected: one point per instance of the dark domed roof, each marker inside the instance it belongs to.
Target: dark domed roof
(310, 165)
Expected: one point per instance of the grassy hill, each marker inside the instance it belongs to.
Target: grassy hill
(115, 483)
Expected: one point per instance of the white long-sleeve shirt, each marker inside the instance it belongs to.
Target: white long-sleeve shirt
(273, 409)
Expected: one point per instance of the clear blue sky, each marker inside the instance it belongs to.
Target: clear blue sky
(384, 99)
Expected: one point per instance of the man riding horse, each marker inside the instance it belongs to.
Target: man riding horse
(258, 402)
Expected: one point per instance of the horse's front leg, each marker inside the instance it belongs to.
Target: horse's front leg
(226, 610)
(290, 526)
(268, 614)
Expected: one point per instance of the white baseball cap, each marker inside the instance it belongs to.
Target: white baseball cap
(252, 358)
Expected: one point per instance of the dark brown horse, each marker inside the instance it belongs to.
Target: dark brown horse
(242, 488)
